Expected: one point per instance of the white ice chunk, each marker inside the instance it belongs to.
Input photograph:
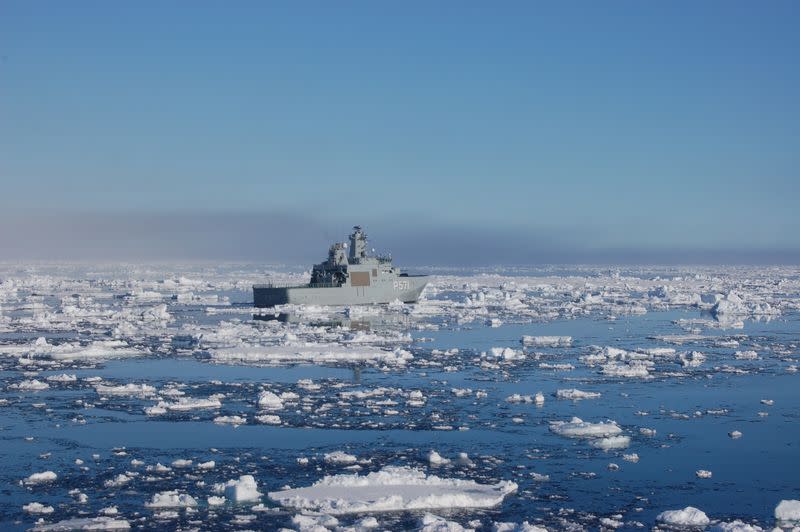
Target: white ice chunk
(30, 385)
(547, 341)
(171, 499)
(436, 459)
(340, 458)
(688, 517)
(735, 526)
(788, 510)
(267, 399)
(577, 428)
(611, 442)
(39, 478)
(243, 489)
(37, 508)
(84, 523)
(135, 390)
(392, 489)
(574, 394)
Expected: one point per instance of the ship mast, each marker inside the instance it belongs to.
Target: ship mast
(358, 245)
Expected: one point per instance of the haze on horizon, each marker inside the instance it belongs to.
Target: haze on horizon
(455, 132)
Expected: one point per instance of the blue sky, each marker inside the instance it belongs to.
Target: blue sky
(638, 126)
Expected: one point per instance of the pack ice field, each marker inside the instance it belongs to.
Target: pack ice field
(158, 397)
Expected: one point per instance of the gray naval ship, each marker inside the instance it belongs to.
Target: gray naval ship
(346, 279)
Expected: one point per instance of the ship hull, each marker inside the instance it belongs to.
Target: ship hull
(405, 288)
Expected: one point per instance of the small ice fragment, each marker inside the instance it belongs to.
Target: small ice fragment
(269, 419)
(118, 481)
(547, 341)
(436, 459)
(464, 460)
(538, 399)
(735, 526)
(703, 473)
(577, 428)
(611, 442)
(37, 508)
(574, 394)
(735, 434)
(39, 478)
(171, 499)
(340, 458)
(269, 400)
(230, 420)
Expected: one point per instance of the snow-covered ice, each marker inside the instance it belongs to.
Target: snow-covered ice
(392, 489)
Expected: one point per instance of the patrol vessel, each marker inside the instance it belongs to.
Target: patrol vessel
(347, 277)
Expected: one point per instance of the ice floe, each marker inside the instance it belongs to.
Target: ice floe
(687, 517)
(243, 489)
(171, 499)
(392, 489)
(577, 428)
(84, 523)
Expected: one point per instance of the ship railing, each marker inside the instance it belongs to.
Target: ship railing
(295, 285)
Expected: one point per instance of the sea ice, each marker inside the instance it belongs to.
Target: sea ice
(392, 489)
(575, 395)
(215, 501)
(735, 526)
(577, 428)
(118, 481)
(37, 508)
(84, 523)
(688, 517)
(243, 489)
(507, 353)
(269, 400)
(435, 459)
(268, 419)
(30, 385)
(547, 341)
(64, 377)
(230, 420)
(136, 390)
(340, 458)
(517, 527)
(788, 510)
(312, 352)
(611, 442)
(39, 478)
(171, 499)
(434, 523)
